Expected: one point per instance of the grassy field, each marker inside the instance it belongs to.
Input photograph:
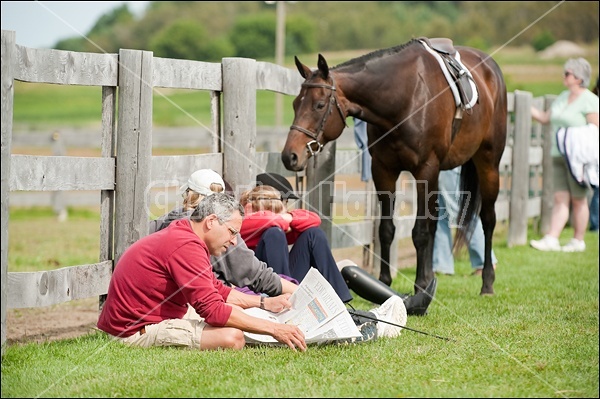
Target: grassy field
(38, 242)
(536, 337)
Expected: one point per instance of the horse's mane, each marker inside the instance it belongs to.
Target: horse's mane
(374, 54)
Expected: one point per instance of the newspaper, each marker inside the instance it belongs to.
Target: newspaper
(316, 309)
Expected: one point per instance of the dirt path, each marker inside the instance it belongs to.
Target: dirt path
(63, 321)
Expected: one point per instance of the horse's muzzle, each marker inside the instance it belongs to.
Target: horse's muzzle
(290, 161)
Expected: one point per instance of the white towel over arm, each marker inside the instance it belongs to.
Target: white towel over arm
(579, 145)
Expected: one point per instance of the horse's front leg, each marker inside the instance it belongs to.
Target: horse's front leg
(385, 185)
(387, 231)
(423, 233)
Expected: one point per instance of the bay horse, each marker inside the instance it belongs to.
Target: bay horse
(411, 114)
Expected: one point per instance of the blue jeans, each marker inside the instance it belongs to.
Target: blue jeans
(362, 141)
(311, 249)
(448, 202)
(594, 211)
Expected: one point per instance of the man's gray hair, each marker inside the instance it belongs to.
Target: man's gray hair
(581, 70)
(220, 204)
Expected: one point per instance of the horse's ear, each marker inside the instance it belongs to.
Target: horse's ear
(323, 67)
(303, 69)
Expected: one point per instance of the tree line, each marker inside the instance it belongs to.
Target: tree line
(209, 31)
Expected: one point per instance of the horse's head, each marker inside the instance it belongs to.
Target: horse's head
(314, 125)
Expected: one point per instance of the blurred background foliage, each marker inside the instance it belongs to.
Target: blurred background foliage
(209, 31)
(513, 32)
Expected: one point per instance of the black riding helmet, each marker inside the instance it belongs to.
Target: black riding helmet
(279, 182)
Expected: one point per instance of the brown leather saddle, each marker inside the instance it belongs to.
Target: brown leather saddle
(445, 48)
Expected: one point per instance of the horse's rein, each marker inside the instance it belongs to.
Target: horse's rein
(315, 136)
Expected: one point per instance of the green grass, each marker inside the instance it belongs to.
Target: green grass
(536, 337)
(38, 106)
(43, 107)
(38, 242)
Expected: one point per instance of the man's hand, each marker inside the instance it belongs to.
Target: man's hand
(290, 335)
(278, 303)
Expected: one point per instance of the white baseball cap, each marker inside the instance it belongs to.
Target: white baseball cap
(201, 180)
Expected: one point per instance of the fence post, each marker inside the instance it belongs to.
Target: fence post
(239, 122)
(547, 183)
(107, 197)
(8, 62)
(320, 176)
(134, 148)
(519, 193)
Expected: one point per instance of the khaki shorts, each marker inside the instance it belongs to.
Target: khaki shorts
(563, 181)
(185, 332)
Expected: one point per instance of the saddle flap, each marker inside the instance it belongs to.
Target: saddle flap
(465, 91)
(460, 76)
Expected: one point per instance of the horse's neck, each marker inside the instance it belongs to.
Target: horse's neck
(357, 99)
(351, 89)
(361, 84)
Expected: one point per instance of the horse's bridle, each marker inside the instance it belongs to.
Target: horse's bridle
(315, 135)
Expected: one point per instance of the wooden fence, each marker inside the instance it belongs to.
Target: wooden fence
(126, 167)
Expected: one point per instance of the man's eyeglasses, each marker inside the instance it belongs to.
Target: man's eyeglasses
(232, 231)
(567, 73)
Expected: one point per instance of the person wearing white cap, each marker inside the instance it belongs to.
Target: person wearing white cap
(205, 182)
(201, 183)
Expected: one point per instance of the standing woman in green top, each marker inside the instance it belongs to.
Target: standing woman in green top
(575, 107)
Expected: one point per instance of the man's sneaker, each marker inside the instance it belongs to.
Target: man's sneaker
(392, 311)
(360, 317)
(366, 325)
(574, 245)
(368, 331)
(548, 243)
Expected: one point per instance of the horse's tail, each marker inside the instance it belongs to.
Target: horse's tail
(470, 203)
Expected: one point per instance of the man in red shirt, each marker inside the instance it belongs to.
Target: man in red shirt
(161, 274)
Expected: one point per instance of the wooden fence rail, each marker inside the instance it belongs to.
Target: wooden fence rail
(126, 168)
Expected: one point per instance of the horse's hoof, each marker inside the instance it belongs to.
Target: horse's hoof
(487, 292)
(386, 280)
(417, 304)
